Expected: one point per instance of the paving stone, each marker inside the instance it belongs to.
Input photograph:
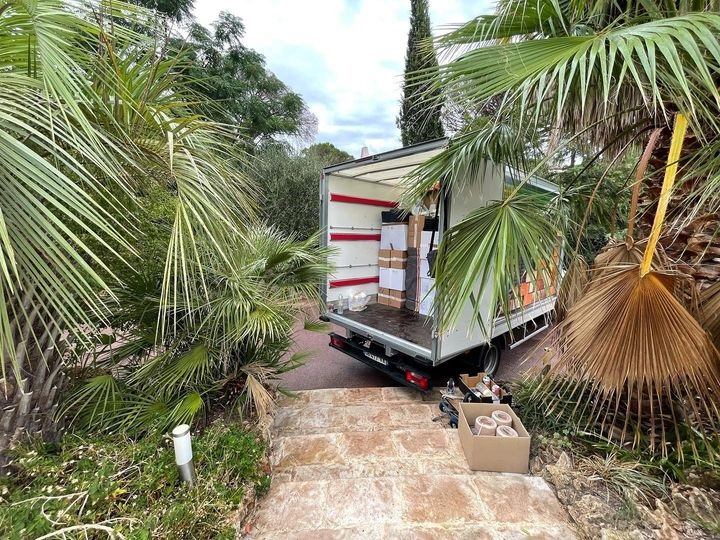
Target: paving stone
(418, 443)
(364, 444)
(309, 450)
(441, 500)
(502, 493)
(292, 506)
(362, 501)
(400, 394)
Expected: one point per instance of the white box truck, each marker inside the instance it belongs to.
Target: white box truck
(401, 342)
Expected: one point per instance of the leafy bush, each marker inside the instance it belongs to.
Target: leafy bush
(290, 181)
(685, 450)
(221, 351)
(130, 486)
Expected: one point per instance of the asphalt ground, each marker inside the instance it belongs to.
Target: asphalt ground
(329, 368)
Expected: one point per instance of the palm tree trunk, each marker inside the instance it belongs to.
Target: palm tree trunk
(694, 246)
(30, 392)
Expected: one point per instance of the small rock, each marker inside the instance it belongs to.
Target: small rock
(560, 477)
(592, 514)
(564, 461)
(693, 502)
(614, 534)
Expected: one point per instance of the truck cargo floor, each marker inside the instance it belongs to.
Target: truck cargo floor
(401, 323)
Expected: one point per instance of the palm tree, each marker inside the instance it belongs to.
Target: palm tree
(88, 115)
(611, 77)
(224, 351)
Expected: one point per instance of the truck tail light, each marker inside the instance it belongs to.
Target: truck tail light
(417, 379)
(337, 341)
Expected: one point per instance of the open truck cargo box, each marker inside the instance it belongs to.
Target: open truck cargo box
(353, 196)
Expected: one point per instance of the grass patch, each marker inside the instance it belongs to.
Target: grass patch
(130, 487)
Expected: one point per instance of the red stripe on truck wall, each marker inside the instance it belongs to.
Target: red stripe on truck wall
(354, 236)
(354, 281)
(337, 197)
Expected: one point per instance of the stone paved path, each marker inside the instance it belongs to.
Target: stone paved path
(371, 463)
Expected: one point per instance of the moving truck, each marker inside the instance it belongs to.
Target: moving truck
(405, 343)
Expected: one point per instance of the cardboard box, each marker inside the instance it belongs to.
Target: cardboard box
(426, 295)
(394, 236)
(415, 228)
(468, 382)
(398, 259)
(392, 278)
(425, 247)
(424, 268)
(493, 454)
(392, 298)
(384, 258)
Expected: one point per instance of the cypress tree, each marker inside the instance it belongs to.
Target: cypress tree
(419, 118)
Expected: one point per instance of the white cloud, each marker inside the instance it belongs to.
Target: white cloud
(345, 57)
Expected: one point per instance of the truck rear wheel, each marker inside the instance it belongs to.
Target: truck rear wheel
(489, 358)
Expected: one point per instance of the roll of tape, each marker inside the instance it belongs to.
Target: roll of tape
(506, 431)
(485, 425)
(502, 418)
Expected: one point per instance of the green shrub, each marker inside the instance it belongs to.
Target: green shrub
(220, 352)
(131, 486)
(685, 450)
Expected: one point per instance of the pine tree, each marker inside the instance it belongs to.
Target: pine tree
(419, 118)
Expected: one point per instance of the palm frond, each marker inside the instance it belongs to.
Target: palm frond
(710, 310)
(635, 359)
(481, 259)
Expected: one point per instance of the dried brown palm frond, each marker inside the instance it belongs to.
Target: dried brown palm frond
(710, 311)
(635, 361)
(617, 254)
(631, 356)
(572, 287)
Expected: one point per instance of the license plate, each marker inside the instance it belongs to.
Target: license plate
(378, 359)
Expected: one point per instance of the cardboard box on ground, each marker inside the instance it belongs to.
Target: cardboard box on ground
(493, 453)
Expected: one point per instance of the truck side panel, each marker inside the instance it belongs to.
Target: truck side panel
(487, 187)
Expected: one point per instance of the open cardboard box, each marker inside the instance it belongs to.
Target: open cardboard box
(494, 454)
(468, 382)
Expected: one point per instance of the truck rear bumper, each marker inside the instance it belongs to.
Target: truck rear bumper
(398, 367)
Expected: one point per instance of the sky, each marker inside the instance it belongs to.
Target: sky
(345, 57)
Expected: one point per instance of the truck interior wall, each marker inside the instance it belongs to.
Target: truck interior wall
(355, 259)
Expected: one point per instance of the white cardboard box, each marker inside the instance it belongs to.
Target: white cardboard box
(424, 268)
(425, 243)
(394, 237)
(392, 278)
(426, 295)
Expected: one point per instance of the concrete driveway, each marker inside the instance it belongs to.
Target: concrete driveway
(329, 368)
(371, 463)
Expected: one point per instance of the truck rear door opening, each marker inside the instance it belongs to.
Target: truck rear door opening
(388, 262)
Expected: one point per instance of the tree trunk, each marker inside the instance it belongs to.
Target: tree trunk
(694, 247)
(29, 402)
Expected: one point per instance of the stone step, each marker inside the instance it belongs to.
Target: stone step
(367, 453)
(381, 416)
(357, 396)
(443, 506)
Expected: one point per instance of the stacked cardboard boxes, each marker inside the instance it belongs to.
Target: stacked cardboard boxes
(392, 260)
(422, 242)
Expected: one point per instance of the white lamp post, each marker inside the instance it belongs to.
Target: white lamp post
(183, 453)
